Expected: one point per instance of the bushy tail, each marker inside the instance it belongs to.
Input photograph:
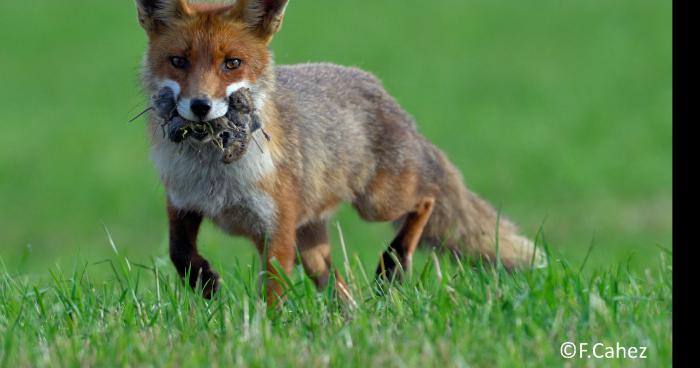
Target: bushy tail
(466, 225)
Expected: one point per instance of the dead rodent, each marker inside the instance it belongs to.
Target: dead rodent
(230, 133)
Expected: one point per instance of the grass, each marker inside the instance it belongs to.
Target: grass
(559, 113)
(445, 314)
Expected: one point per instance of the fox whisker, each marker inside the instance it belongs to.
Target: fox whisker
(141, 113)
(267, 136)
(257, 144)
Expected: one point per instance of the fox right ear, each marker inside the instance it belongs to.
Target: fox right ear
(154, 15)
(264, 17)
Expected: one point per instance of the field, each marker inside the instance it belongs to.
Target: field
(445, 315)
(558, 113)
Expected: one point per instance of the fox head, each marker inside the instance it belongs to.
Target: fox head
(206, 52)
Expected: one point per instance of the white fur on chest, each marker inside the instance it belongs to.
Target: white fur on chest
(197, 180)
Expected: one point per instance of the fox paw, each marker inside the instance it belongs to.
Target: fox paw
(210, 283)
(208, 280)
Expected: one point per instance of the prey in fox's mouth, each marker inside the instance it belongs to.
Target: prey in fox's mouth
(230, 133)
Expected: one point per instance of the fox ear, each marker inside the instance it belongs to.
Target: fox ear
(264, 17)
(154, 15)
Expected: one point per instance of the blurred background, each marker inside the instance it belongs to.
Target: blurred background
(559, 113)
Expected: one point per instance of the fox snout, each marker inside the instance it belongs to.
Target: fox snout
(201, 108)
(168, 100)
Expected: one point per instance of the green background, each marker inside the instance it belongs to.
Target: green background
(558, 112)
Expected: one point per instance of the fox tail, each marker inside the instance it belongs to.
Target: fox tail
(467, 225)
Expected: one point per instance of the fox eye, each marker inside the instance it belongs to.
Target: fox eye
(232, 64)
(178, 62)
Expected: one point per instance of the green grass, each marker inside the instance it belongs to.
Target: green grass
(445, 314)
(559, 113)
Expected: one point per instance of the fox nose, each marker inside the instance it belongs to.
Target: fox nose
(200, 107)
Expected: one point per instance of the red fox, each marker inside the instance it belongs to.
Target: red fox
(328, 134)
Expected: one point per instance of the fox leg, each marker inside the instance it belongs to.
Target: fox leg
(315, 251)
(183, 230)
(280, 247)
(406, 240)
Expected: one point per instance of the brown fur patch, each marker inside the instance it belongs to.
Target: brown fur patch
(389, 195)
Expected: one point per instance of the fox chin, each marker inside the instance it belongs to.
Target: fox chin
(324, 135)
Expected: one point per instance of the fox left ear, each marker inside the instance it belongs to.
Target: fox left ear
(154, 15)
(264, 17)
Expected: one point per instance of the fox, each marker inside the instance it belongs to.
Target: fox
(329, 135)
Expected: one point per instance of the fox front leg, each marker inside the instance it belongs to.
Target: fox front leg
(183, 230)
(278, 250)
